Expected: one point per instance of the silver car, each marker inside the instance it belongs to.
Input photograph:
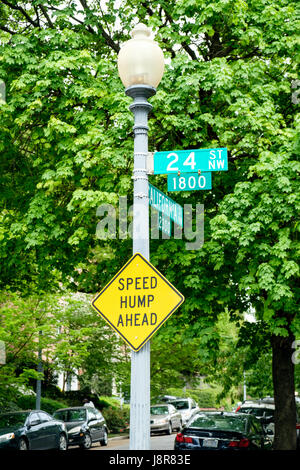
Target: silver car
(186, 407)
(165, 418)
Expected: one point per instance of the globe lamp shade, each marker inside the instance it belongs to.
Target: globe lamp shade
(141, 60)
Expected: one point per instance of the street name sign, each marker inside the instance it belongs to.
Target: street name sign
(189, 161)
(137, 301)
(165, 205)
(164, 223)
(189, 181)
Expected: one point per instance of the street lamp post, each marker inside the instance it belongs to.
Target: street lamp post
(141, 67)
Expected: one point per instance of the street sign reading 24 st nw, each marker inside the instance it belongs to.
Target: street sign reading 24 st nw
(185, 161)
(137, 301)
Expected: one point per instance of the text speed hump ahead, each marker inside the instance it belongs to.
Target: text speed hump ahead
(137, 301)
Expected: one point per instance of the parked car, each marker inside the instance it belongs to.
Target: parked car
(222, 431)
(263, 410)
(165, 418)
(85, 425)
(186, 407)
(32, 430)
(167, 398)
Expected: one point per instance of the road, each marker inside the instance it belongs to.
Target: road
(159, 442)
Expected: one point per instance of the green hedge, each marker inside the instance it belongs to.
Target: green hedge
(76, 397)
(117, 419)
(205, 398)
(108, 402)
(49, 405)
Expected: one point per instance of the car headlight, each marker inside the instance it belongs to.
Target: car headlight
(7, 437)
(75, 430)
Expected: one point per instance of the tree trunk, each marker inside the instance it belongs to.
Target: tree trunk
(284, 393)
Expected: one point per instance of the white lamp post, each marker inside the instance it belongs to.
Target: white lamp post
(141, 67)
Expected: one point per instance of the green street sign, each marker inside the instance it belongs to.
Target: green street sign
(189, 181)
(164, 204)
(189, 161)
(164, 223)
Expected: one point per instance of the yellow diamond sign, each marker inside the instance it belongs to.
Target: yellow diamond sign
(137, 301)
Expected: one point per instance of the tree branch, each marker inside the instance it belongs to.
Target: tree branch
(37, 16)
(104, 34)
(185, 46)
(3, 28)
(21, 10)
(22, 346)
(45, 13)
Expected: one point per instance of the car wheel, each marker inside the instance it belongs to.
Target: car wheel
(23, 445)
(104, 440)
(169, 431)
(62, 444)
(87, 442)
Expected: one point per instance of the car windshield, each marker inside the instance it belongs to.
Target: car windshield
(181, 404)
(159, 410)
(12, 419)
(219, 422)
(71, 415)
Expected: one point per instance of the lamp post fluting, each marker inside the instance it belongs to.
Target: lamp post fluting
(141, 66)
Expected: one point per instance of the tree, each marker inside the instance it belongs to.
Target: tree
(21, 321)
(86, 347)
(66, 146)
(259, 218)
(72, 337)
(56, 148)
(176, 361)
(243, 354)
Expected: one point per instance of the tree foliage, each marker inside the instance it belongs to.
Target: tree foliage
(72, 338)
(66, 146)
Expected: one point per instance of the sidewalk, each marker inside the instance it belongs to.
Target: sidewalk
(118, 436)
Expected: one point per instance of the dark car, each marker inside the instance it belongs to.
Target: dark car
(85, 425)
(32, 430)
(222, 431)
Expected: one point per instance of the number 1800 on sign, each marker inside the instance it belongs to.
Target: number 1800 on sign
(189, 181)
